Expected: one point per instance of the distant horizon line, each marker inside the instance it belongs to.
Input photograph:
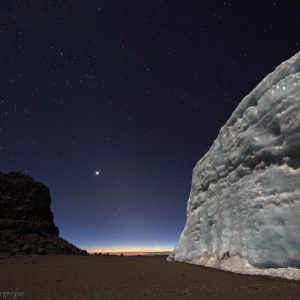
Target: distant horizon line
(132, 253)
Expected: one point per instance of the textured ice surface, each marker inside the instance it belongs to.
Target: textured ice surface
(243, 213)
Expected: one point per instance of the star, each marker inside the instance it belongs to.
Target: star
(97, 172)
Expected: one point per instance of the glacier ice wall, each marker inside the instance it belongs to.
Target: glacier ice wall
(244, 204)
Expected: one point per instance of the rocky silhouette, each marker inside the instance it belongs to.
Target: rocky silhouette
(26, 220)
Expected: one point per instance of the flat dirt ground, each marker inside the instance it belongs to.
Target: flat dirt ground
(114, 277)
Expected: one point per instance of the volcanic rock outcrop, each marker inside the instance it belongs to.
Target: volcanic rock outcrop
(243, 212)
(26, 221)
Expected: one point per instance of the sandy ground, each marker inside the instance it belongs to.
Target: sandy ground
(120, 278)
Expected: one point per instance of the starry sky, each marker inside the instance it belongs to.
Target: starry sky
(111, 103)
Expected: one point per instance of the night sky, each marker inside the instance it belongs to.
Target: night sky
(112, 103)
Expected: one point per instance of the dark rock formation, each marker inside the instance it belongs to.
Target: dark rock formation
(26, 221)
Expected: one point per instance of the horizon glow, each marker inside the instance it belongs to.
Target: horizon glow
(135, 249)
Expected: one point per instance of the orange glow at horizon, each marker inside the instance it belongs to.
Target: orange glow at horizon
(132, 251)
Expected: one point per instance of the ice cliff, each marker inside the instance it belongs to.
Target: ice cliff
(243, 212)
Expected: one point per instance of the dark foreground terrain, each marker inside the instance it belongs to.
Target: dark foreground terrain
(113, 277)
